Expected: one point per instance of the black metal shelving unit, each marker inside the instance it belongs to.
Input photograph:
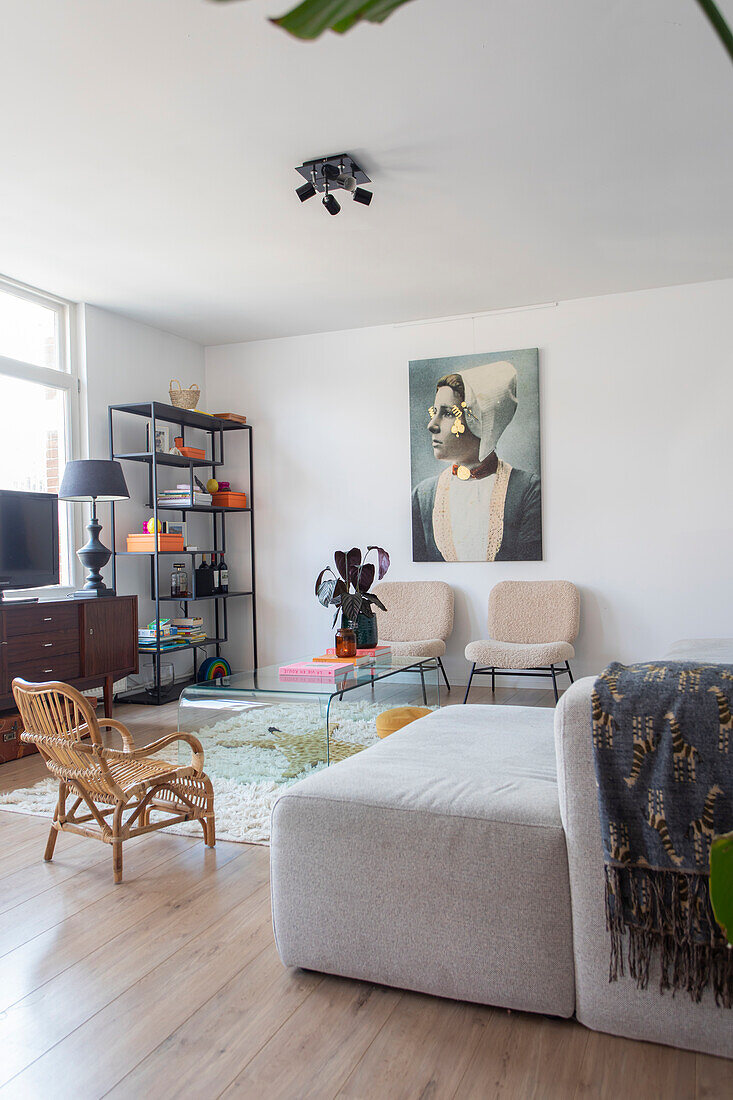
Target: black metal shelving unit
(154, 412)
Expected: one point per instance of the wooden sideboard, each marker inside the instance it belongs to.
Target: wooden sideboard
(86, 643)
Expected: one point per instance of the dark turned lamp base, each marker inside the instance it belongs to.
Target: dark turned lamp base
(94, 556)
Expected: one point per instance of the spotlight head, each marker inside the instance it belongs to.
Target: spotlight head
(306, 191)
(363, 196)
(331, 203)
(347, 182)
(330, 172)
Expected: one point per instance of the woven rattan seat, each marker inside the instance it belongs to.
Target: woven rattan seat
(124, 784)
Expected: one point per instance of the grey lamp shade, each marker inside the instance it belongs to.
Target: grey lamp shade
(93, 479)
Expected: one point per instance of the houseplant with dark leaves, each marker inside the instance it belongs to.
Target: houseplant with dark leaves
(348, 589)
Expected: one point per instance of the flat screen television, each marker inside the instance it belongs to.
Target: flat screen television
(29, 539)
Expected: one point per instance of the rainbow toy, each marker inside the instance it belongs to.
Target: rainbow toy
(213, 668)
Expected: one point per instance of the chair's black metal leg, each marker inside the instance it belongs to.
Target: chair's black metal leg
(468, 685)
(567, 666)
(493, 681)
(554, 682)
(424, 693)
(444, 675)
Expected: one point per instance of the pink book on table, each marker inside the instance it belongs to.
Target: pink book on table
(305, 670)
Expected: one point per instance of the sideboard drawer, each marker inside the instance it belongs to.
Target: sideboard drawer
(37, 647)
(41, 619)
(52, 668)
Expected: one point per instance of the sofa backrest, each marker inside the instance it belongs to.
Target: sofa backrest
(534, 611)
(416, 610)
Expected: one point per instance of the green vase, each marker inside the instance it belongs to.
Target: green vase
(366, 631)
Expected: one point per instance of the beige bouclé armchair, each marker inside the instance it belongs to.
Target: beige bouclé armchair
(418, 620)
(532, 625)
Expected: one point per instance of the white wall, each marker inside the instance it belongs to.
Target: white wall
(127, 362)
(636, 399)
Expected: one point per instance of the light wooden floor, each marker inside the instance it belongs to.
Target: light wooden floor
(170, 986)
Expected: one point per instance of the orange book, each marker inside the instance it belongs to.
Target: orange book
(330, 659)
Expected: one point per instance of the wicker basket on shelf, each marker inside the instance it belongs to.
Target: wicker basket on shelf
(184, 399)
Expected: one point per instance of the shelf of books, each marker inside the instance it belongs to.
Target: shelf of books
(201, 574)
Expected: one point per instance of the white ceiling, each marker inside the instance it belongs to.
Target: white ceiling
(521, 151)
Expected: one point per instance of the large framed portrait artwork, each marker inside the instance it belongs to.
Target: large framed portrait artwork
(475, 457)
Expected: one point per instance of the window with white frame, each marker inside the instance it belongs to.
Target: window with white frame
(38, 399)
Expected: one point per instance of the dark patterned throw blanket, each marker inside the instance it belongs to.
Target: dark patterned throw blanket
(663, 751)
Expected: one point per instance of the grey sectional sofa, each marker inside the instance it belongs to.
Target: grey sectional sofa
(462, 857)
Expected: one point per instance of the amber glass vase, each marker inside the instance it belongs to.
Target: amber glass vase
(346, 642)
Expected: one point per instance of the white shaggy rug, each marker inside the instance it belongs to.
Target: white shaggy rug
(250, 759)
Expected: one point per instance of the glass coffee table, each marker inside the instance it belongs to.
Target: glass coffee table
(257, 727)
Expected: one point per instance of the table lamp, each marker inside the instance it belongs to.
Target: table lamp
(92, 480)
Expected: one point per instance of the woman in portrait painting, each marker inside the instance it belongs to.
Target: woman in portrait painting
(479, 508)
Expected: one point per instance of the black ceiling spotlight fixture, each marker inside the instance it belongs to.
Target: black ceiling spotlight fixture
(307, 191)
(327, 174)
(332, 204)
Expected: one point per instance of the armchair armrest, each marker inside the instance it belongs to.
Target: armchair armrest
(128, 740)
(197, 752)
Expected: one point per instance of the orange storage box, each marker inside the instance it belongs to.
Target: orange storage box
(229, 500)
(145, 544)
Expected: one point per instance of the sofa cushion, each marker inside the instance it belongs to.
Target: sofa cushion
(495, 654)
(433, 861)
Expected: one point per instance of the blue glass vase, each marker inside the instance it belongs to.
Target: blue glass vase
(366, 631)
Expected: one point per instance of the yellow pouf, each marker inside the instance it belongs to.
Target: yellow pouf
(389, 721)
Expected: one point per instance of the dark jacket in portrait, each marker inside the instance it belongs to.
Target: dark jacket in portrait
(522, 536)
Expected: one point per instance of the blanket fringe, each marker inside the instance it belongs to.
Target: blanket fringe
(668, 915)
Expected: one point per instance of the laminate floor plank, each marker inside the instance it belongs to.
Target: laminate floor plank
(713, 1078)
(35, 962)
(212, 1046)
(194, 889)
(314, 1051)
(74, 855)
(423, 1051)
(614, 1067)
(521, 1055)
(159, 1002)
(46, 911)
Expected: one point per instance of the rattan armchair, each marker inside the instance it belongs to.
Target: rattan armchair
(125, 785)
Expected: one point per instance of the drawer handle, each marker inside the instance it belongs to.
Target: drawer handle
(47, 645)
(46, 670)
(48, 619)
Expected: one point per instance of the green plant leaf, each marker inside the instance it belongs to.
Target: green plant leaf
(379, 10)
(312, 17)
(721, 882)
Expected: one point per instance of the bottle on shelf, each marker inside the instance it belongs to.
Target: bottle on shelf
(215, 578)
(204, 579)
(179, 581)
(223, 575)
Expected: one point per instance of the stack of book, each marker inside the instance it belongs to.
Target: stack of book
(181, 497)
(362, 655)
(147, 636)
(190, 630)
